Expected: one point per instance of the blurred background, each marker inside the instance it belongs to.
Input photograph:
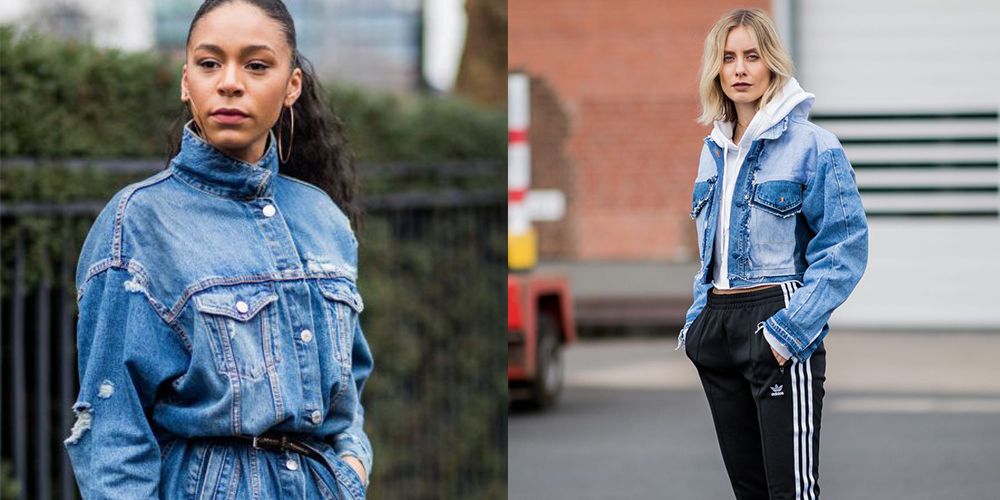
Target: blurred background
(88, 89)
(913, 409)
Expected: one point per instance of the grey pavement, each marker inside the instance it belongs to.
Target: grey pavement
(615, 279)
(907, 416)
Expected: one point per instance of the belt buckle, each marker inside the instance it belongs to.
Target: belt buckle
(263, 442)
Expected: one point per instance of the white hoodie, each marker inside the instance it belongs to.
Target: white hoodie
(790, 96)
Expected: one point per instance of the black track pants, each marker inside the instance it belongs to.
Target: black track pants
(767, 417)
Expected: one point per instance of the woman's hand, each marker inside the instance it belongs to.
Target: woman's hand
(356, 465)
(779, 357)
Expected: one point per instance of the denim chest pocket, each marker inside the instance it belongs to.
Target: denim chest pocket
(344, 305)
(240, 323)
(772, 227)
(780, 198)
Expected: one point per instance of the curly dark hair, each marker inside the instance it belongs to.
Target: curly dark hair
(321, 155)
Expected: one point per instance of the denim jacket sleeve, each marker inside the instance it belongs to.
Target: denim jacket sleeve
(125, 352)
(836, 256)
(354, 441)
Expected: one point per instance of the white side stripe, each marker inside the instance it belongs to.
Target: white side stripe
(795, 429)
(810, 477)
(803, 427)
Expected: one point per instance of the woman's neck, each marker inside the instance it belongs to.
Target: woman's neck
(744, 115)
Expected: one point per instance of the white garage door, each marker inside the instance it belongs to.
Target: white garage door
(912, 88)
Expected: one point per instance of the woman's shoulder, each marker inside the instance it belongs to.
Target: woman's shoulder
(301, 195)
(803, 130)
(103, 245)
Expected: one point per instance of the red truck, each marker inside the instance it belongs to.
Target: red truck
(539, 324)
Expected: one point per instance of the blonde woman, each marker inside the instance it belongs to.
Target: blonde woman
(783, 241)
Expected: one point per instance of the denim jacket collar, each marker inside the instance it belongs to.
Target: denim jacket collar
(206, 168)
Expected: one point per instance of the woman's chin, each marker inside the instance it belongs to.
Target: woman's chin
(231, 141)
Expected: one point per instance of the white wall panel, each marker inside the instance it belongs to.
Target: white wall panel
(899, 54)
(913, 57)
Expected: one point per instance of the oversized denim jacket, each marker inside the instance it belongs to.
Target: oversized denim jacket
(218, 298)
(796, 215)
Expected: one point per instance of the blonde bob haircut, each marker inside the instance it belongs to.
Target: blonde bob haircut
(715, 105)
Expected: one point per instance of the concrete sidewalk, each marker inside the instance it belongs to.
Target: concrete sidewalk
(857, 362)
(912, 416)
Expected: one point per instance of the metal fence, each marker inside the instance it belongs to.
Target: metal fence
(461, 228)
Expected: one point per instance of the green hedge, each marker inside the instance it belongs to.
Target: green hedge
(69, 100)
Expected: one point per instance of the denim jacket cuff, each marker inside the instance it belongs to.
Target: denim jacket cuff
(784, 336)
(349, 445)
(776, 344)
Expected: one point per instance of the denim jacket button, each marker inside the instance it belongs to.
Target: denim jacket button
(269, 210)
(292, 464)
(316, 417)
(242, 307)
(306, 336)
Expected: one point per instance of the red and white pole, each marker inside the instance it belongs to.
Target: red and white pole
(522, 247)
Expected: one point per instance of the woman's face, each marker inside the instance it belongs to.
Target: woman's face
(238, 77)
(744, 75)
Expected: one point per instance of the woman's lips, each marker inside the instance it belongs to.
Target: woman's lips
(741, 86)
(229, 116)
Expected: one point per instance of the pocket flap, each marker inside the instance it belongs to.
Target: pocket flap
(343, 291)
(239, 303)
(781, 198)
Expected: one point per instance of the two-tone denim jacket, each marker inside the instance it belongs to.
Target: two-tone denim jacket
(218, 298)
(796, 216)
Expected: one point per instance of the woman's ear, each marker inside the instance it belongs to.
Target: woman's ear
(185, 96)
(294, 88)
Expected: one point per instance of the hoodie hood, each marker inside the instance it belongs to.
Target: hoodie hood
(791, 99)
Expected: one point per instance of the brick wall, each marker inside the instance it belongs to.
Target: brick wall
(614, 98)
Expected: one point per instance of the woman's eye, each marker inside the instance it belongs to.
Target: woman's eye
(257, 66)
(208, 64)
(727, 58)
(752, 57)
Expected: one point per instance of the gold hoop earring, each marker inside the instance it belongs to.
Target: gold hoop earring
(194, 115)
(291, 138)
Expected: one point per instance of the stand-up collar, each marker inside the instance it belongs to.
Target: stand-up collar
(206, 168)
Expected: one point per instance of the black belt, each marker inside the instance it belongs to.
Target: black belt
(280, 441)
(275, 441)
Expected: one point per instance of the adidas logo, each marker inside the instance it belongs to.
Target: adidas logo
(777, 390)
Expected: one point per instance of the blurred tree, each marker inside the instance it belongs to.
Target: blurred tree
(482, 74)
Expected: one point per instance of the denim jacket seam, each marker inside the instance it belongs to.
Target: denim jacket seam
(204, 284)
(135, 268)
(834, 164)
(116, 240)
(262, 185)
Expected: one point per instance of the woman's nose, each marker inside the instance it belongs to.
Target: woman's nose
(230, 83)
(740, 67)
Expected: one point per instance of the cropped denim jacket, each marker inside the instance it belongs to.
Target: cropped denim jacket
(796, 216)
(218, 298)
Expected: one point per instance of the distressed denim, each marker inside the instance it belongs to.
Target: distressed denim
(796, 216)
(218, 298)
